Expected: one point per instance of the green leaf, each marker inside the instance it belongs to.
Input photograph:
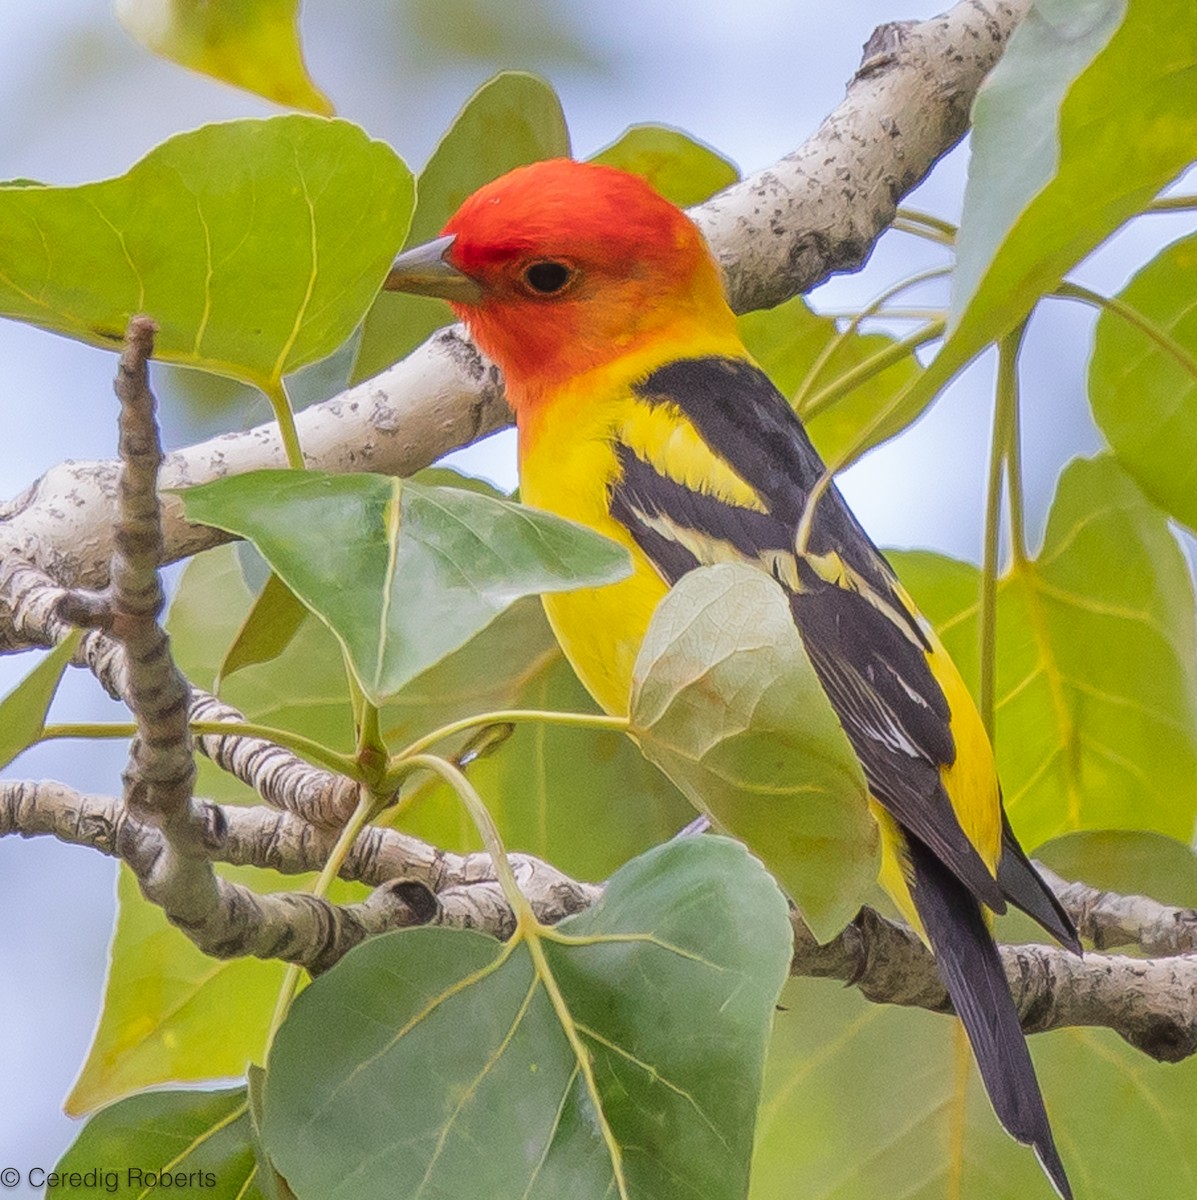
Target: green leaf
(23, 711)
(268, 629)
(725, 701)
(189, 1143)
(1096, 689)
(1128, 862)
(1018, 141)
(788, 341)
(670, 999)
(171, 1014)
(513, 119)
(268, 1181)
(304, 690)
(864, 1100)
(680, 167)
(429, 566)
(471, 32)
(252, 44)
(1144, 397)
(584, 800)
(1085, 118)
(248, 242)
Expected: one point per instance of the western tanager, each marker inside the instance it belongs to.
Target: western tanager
(642, 415)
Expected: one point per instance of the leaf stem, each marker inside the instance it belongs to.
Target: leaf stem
(1172, 204)
(371, 754)
(1119, 308)
(280, 402)
(1005, 408)
(916, 216)
(85, 729)
(483, 822)
(512, 716)
(1014, 490)
(871, 367)
(366, 805)
(312, 751)
(306, 748)
(902, 313)
(833, 345)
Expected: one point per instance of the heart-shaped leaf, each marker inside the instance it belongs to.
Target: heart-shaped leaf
(438, 1063)
(248, 242)
(725, 701)
(402, 573)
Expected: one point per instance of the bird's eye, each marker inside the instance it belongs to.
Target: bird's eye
(547, 277)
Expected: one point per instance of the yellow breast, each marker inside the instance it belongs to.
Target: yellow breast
(567, 460)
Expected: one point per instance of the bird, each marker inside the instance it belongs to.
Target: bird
(641, 414)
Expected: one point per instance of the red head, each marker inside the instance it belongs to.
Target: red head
(576, 264)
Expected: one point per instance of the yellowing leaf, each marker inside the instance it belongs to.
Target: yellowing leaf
(170, 1012)
(1096, 688)
(23, 711)
(867, 1100)
(252, 44)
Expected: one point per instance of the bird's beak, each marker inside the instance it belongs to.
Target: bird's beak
(424, 271)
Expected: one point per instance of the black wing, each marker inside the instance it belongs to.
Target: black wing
(870, 657)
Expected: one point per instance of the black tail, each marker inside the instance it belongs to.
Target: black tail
(1021, 885)
(972, 971)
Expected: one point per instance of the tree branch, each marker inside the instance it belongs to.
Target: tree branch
(261, 837)
(283, 779)
(165, 836)
(1109, 920)
(1152, 1003)
(781, 231)
(821, 209)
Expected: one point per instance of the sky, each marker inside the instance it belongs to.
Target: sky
(79, 100)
